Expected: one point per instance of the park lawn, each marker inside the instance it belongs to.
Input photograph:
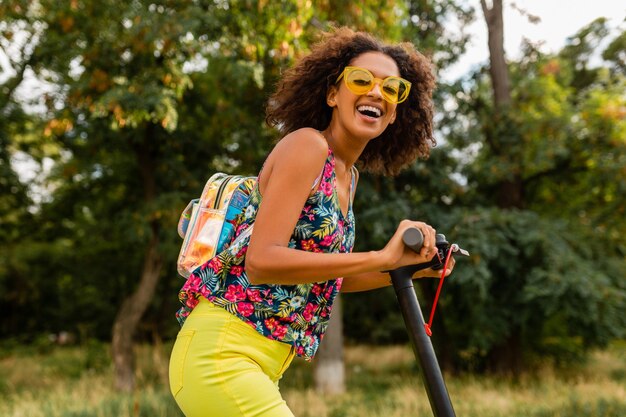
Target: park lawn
(381, 381)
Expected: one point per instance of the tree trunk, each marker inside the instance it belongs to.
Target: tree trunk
(329, 372)
(498, 69)
(134, 306)
(128, 318)
(507, 355)
(510, 192)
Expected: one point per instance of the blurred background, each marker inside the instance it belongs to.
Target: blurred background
(113, 114)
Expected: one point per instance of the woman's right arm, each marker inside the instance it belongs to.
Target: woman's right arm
(285, 186)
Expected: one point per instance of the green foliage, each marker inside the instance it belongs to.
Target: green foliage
(147, 99)
(616, 52)
(548, 277)
(428, 25)
(529, 274)
(17, 222)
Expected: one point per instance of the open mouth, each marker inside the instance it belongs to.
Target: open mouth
(370, 111)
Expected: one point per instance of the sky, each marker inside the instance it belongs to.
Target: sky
(559, 20)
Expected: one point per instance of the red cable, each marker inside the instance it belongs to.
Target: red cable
(432, 311)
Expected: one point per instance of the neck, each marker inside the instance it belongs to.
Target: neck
(346, 148)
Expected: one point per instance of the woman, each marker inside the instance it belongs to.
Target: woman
(248, 311)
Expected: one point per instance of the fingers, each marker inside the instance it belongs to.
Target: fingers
(450, 266)
(427, 231)
(435, 273)
(428, 248)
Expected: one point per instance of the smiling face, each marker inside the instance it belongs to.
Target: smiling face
(366, 115)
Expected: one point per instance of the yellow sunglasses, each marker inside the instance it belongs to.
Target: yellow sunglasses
(360, 81)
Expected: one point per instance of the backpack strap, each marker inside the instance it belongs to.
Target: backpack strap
(317, 180)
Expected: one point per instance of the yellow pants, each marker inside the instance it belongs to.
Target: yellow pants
(221, 367)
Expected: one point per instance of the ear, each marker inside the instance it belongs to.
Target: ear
(330, 97)
(393, 118)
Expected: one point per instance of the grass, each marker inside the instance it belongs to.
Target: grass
(381, 381)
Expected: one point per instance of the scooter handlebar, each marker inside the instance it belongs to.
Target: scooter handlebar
(413, 238)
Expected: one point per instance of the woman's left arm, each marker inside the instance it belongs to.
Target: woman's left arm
(373, 280)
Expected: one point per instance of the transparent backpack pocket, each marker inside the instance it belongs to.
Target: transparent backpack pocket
(200, 243)
(186, 216)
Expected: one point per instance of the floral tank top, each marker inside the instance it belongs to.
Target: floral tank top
(293, 314)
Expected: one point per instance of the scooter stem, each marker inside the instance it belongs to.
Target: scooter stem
(422, 346)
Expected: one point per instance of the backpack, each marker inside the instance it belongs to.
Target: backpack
(208, 224)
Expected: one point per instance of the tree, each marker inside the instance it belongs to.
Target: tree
(18, 221)
(536, 284)
(119, 77)
(147, 98)
(124, 72)
(510, 190)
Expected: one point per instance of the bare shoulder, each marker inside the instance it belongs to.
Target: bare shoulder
(305, 141)
(299, 155)
(305, 147)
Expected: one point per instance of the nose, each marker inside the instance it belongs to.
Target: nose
(375, 90)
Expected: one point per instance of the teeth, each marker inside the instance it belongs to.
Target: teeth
(374, 110)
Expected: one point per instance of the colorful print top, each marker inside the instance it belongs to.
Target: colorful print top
(293, 314)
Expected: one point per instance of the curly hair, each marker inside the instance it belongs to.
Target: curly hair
(300, 98)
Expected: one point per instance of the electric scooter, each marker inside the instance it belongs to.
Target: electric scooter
(419, 331)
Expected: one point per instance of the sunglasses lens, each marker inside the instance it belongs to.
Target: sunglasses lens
(395, 90)
(359, 81)
(391, 89)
